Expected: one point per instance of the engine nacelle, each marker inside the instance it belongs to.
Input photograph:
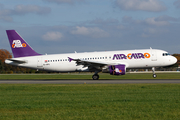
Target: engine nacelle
(117, 69)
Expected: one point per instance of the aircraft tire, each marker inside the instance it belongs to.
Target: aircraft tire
(95, 77)
(154, 75)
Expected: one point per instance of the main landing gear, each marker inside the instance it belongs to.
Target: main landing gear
(95, 76)
(153, 70)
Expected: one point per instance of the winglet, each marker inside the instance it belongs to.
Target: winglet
(70, 59)
(19, 46)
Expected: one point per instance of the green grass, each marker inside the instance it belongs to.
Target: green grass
(89, 76)
(90, 101)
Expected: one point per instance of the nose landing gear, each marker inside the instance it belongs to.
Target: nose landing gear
(153, 70)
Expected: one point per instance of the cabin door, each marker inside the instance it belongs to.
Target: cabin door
(153, 55)
(39, 62)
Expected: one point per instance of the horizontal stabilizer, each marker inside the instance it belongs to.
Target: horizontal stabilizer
(16, 61)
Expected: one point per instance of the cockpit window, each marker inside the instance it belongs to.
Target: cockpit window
(166, 54)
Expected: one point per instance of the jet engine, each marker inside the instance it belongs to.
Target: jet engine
(117, 69)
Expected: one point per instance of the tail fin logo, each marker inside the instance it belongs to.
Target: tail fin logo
(17, 44)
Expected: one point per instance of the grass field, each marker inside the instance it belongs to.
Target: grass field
(88, 76)
(90, 101)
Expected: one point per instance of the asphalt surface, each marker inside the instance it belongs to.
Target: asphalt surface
(86, 81)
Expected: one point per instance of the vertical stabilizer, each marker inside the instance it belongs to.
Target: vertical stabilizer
(19, 46)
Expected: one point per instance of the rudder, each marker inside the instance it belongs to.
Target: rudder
(19, 46)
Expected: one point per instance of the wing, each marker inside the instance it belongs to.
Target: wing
(92, 65)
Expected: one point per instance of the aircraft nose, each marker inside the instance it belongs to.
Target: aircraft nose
(173, 60)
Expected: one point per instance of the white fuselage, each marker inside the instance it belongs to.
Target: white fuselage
(144, 58)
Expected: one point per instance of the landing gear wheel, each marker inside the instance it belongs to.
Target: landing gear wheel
(154, 75)
(153, 70)
(95, 77)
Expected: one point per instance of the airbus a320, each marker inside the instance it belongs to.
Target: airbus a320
(114, 62)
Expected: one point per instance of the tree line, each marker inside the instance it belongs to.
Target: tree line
(5, 68)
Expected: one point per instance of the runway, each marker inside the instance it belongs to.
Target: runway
(87, 81)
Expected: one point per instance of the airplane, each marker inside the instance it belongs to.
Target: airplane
(114, 62)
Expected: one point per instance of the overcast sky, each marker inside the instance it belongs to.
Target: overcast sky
(65, 26)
